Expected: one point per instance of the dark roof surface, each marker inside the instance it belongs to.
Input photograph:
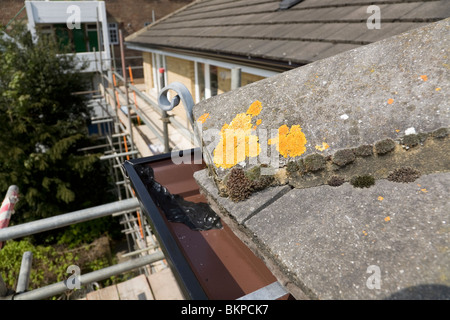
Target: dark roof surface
(308, 31)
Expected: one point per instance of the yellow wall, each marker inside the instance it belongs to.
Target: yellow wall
(224, 80)
(148, 75)
(182, 71)
(247, 78)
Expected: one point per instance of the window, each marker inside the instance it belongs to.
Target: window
(113, 33)
(206, 81)
(159, 71)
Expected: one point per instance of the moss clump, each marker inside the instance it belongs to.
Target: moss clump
(335, 181)
(411, 140)
(239, 187)
(365, 181)
(343, 157)
(292, 167)
(384, 146)
(404, 174)
(314, 162)
(254, 173)
(263, 182)
(440, 133)
(364, 150)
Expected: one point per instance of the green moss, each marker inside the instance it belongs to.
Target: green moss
(292, 167)
(440, 133)
(343, 157)
(384, 146)
(314, 162)
(263, 182)
(364, 150)
(239, 187)
(364, 181)
(411, 140)
(254, 173)
(404, 174)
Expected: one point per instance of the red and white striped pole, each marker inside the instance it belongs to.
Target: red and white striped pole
(7, 208)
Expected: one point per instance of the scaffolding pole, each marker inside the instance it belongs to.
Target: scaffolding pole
(102, 274)
(64, 220)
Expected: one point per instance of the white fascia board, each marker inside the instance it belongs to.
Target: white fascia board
(57, 11)
(228, 65)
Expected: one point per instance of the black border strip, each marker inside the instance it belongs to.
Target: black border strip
(186, 278)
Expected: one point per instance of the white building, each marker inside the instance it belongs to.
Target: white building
(75, 23)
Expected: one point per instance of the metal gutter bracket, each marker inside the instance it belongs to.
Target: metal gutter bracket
(183, 95)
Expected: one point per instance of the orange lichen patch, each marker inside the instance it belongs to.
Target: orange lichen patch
(323, 147)
(203, 118)
(424, 77)
(258, 122)
(390, 101)
(236, 139)
(380, 198)
(255, 108)
(364, 232)
(387, 219)
(397, 130)
(424, 190)
(438, 89)
(290, 142)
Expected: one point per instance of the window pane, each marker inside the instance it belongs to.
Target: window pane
(213, 77)
(201, 80)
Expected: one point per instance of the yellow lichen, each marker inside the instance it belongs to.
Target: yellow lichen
(290, 142)
(236, 139)
(255, 108)
(323, 147)
(203, 118)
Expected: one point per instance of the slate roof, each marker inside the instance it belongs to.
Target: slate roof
(257, 30)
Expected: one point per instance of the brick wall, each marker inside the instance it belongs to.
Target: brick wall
(131, 16)
(9, 8)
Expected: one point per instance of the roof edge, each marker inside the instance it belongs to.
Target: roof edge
(139, 32)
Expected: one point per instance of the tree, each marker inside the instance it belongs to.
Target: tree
(42, 125)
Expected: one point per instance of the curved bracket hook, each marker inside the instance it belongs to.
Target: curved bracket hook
(183, 95)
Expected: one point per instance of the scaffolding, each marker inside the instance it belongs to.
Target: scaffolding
(131, 124)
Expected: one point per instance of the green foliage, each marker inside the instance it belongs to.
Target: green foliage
(42, 125)
(48, 265)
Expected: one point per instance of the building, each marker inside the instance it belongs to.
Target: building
(126, 15)
(200, 44)
(77, 25)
